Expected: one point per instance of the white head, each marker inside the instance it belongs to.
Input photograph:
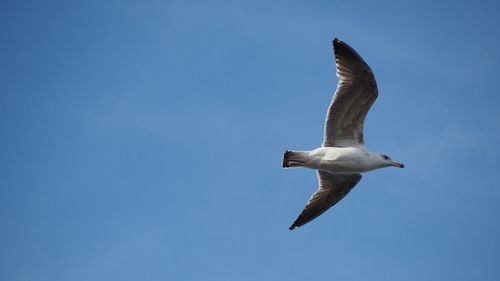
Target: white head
(386, 161)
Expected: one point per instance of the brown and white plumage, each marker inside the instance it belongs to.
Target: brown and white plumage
(343, 155)
(332, 188)
(355, 94)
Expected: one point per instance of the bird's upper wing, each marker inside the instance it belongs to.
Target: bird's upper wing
(355, 94)
(332, 188)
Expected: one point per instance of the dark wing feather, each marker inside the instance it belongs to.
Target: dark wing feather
(332, 188)
(355, 94)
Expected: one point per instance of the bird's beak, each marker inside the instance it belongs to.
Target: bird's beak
(399, 165)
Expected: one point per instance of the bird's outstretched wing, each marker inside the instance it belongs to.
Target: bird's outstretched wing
(355, 94)
(332, 188)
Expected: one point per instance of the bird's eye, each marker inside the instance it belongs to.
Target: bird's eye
(386, 157)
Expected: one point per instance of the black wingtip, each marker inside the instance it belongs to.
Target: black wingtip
(338, 45)
(294, 225)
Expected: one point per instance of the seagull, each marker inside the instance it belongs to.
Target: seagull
(343, 156)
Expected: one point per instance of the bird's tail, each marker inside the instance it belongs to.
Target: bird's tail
(293, 159)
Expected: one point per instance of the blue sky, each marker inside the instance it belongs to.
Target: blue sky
(142, 140)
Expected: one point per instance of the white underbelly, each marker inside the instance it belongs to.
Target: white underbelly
(342, 167)
(342, 160)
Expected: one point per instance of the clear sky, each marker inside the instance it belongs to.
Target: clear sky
(142, 140)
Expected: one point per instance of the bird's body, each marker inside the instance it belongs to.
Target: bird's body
(337, 160)
(342, 156)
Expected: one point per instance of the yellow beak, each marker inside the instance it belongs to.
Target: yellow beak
(399, 165)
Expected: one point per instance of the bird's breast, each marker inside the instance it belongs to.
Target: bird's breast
(343, 160)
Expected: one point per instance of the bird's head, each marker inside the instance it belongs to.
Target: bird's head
(387, 161)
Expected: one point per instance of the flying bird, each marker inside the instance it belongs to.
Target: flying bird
(343, 156)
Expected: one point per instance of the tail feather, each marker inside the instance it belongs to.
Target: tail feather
(285, 158)
(292, 159)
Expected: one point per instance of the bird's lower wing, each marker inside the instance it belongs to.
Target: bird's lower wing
(332, 188)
